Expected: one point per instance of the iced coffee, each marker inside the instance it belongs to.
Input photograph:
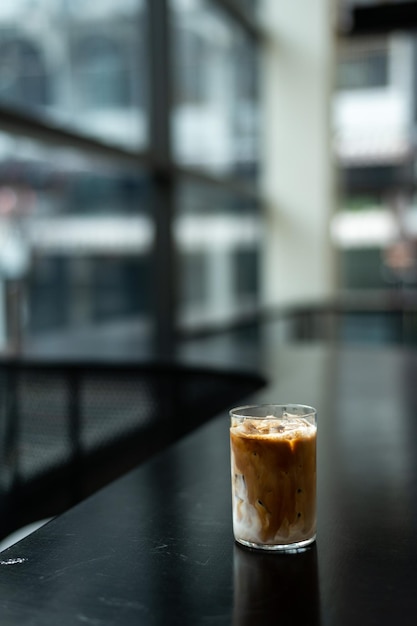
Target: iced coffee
(273, 465)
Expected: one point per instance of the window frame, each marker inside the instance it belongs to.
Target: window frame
(156, 158)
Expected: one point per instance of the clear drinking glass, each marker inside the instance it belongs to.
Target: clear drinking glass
(273, 468)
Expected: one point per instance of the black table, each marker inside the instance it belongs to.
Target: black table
(156, 546)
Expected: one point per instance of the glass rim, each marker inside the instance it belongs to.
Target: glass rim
(235, 412)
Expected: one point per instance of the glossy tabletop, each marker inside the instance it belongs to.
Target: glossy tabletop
(155, 547)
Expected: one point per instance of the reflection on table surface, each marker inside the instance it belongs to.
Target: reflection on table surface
(275, 586)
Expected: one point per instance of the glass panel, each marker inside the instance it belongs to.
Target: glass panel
(215, 118)
(76, 239)
(374, 121)
(81, 64)
(364, 65)
(251, 6)
(218, 237)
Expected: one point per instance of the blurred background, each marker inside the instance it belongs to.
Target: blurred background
(177, 167)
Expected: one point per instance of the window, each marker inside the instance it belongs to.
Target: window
(101, 70)
(23, 73)
(81, 65)
(364, 65)
(218, 236)
(128, 142)
(78, 231)
(364, 73)
(215, 115)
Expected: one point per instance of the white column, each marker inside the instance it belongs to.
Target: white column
(297, 174)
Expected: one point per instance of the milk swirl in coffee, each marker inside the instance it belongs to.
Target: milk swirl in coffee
(273, 479)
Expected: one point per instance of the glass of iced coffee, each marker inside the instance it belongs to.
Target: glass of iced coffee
(273, 465)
